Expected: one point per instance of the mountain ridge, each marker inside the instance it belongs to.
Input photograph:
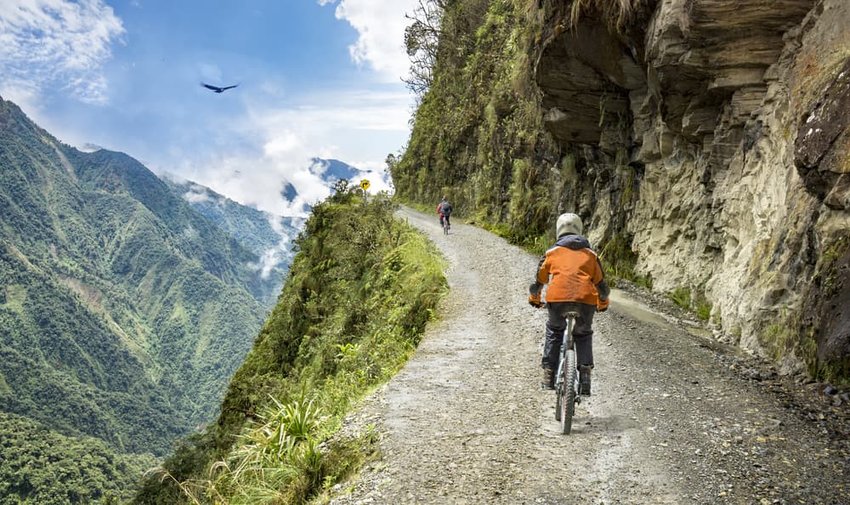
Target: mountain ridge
(123, 311)
(127, 299)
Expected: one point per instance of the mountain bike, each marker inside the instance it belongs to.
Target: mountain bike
(566, 380)
(444, 222)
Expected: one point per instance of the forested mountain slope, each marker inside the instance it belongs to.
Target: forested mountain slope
(704, 144)
(40, 466)
(268, 237)
(123, 311)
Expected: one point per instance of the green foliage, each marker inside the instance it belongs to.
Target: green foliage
(478, 132)
(620, 262)
(42, 467)
(681, 296)
(275, 460)
(123, 312)
(696, 303)
(359, 293)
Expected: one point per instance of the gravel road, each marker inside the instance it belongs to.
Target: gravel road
(674, 417)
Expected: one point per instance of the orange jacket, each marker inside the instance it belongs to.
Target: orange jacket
(573, 272)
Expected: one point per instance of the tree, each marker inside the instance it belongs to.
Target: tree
(420, 40)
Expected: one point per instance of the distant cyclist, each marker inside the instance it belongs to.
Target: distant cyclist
(576, 284)
(444, 210)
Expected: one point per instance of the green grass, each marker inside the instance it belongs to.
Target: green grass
(681, 296)
(358, 296)
(696, 303)
(16, 295)
(703, 308)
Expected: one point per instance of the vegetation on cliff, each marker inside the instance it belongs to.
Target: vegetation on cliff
(359, 293)
(479, 136)
(675, 146)
(478, 128)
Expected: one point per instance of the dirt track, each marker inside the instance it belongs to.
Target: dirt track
(673, 418)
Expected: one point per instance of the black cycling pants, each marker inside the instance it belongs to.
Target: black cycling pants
(582, 332)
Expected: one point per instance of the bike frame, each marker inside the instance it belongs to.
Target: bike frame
(445, 224)
(566, 344)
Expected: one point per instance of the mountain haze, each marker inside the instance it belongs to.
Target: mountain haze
(267, 236)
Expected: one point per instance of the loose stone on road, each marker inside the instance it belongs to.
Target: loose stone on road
(669, 422)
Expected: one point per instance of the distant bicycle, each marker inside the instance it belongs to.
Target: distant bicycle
(566, 380)
(444, 210)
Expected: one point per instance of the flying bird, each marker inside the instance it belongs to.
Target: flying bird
(218, 89)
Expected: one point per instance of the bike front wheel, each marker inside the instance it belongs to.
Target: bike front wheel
(567, 393)
(559, 400)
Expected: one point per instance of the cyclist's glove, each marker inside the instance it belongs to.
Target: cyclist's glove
(602, 305)
(535, 288)
(534, 301)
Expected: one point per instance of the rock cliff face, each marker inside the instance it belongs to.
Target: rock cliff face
(715, 135)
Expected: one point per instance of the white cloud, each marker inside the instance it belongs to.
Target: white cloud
(357, 125)
(270, 260)
(22, 93)
(272, 257)
(195, 196)
(380, 26)
(57, 43)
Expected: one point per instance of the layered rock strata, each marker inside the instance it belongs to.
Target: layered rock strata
(723, 135)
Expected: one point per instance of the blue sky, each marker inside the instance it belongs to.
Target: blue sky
(316, 78)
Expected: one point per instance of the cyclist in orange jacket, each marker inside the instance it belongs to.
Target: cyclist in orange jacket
(576, 284)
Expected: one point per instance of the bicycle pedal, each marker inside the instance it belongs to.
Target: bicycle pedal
(578, 400)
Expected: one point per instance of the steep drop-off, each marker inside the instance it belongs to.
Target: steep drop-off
(355, 303)
(704, 144)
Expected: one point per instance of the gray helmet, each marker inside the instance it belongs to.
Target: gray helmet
(569, 223)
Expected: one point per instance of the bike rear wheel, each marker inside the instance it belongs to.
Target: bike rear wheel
(567, 393)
